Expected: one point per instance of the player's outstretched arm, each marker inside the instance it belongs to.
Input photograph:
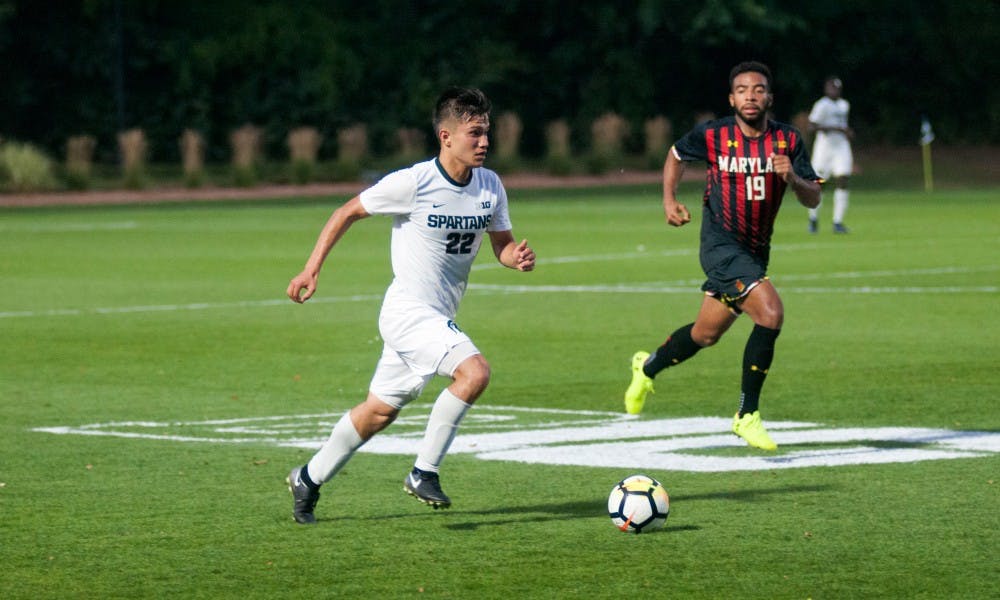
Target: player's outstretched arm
(303, 285)
(676, 213)
(510, 253)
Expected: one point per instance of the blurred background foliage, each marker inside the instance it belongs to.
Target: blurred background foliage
(99, 67)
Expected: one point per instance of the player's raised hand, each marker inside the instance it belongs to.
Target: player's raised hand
(302, 287)
(524, 257)
(782, 166)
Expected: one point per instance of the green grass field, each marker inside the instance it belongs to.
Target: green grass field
(166, 326)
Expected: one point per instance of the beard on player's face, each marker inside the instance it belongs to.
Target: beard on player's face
(757, 121)
(756, 118)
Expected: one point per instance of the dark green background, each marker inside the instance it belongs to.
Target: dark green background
(100, 66)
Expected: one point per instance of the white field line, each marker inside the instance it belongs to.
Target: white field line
(69, 227)
(591, 258)
(685, 286)
(672, 287)
(57, 312)
(662, 289)
(587, 439)
(641, 252)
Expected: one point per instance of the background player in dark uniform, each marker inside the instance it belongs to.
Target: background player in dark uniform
(751, 160)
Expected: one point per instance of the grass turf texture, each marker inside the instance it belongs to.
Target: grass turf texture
(163, 314)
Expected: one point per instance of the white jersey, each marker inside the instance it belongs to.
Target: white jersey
(438, 226)
(827, 112)
(831, 151)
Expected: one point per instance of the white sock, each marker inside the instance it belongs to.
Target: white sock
(442, 426)
(814, 212)
(336, 451)
(839, 205)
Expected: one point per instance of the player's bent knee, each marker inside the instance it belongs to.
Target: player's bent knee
(705, 340)
(707, 336)
(478, 379)
(773, 317)
(372, 416)
(472, 377)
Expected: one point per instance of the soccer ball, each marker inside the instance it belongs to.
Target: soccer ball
(638, 503)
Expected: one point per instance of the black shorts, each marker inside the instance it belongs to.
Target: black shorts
(732, 271)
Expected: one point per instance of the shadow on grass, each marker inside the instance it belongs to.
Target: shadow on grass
(751, 495)
(571, 511)
(595, 508)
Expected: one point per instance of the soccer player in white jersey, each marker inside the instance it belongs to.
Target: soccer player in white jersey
(441, 210)
(831, 152)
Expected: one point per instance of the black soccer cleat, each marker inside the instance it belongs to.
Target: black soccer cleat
(305, 498)
(426, 487)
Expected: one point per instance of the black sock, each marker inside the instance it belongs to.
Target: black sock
(678, 348)
(757, 357)
(304, 476)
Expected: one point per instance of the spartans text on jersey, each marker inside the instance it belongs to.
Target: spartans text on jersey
(459, 221)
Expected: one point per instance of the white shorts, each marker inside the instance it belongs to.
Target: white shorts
(419, 344)
(832, 158)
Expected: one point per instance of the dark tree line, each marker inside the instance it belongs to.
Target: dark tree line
(100, 66)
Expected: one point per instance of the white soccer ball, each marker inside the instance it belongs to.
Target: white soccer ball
(638, 503)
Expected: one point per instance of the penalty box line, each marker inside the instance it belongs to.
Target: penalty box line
(672, 287)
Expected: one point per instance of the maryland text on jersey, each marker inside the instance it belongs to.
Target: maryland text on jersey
(745, 164)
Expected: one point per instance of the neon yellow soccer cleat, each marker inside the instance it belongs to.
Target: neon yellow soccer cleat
(635, 395)
(752, 430)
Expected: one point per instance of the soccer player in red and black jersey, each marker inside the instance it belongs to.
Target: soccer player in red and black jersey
(751, 160)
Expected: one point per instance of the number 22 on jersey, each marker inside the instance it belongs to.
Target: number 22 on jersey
(460, 243)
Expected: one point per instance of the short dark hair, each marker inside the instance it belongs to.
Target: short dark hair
(750, 66)
(460, 103)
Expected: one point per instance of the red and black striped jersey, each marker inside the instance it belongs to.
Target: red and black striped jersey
(743, 193)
